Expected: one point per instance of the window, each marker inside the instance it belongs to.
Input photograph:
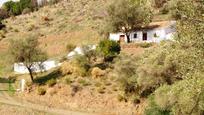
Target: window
(135, 35)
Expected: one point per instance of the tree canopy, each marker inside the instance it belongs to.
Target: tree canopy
(126, 15)
(27, 51)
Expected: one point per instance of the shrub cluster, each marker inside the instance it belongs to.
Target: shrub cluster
(51, 82)
(109, 48)
(41, 91)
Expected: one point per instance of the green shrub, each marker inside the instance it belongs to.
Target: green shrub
(109, 48)
(125, 68)
(70, 47)
(121, 98)
(82, 64)
(98, 84)
(145, 45)
(41, 91)
(154, 109)
(135, 100)
(68, 80)
(83, 82)
(26, 4)
(51, 82)
(101, 90)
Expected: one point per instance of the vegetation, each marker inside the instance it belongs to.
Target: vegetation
(186, 56)
(51, 82)
(109, 48)
(169, 75)
(127, 15)
(27, 52)
(41, 91)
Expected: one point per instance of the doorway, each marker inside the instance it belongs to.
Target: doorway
(122, 38)
(144, 36)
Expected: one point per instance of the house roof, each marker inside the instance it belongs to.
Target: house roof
(161, 24)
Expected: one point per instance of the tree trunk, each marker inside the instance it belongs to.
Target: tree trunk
(128, 37)
(31, 74)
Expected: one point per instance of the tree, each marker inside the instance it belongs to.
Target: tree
(26, 4)
(127, 15)
(27, 51)
(109, 48)
(12, 7)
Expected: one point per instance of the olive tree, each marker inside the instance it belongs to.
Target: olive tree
(27, 52)
(127, 15)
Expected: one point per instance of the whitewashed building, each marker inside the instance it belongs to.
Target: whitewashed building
(155, 32)
(20, 68)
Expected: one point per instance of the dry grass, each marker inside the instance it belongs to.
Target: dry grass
(55, 45)
(74, 22)
(14, 110)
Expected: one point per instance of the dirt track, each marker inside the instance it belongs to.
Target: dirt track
(6, 99)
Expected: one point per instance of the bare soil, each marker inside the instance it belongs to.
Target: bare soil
(84, 100)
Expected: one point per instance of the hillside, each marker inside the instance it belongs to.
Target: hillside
(68, 22)
(74, 22)
(143, 77)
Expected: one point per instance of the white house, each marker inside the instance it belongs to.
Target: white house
(154, 32)
(20, 68)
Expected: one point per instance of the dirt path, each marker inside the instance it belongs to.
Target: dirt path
(6, 99)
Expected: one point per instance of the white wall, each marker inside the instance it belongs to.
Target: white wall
(47, 65)
(116, 36)
(161, 34)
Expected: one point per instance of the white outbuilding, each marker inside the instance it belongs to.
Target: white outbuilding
(20, 68)
(80, 50)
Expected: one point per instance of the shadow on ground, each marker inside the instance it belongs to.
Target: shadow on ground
(7, 80)
(51, 75)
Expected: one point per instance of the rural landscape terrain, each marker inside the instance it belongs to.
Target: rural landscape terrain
(57, 57)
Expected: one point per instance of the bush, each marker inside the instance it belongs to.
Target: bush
(74, 89)
(125, 68)
(82, 65)
(97, 72)
(83, 82)
(121, 98)
(26, 4)
(145, 45)
(136, 100)
(154, 109)
(159, 3)
(101, 90)
(51, 82)
(26, 11)
(68, 81)
(41, 91)
(67, 68)
(3, 14)
(70, 47)
(109, 48)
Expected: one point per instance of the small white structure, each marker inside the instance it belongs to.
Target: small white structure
(80, 50)
(20, 68)
(155, 32)
(22, 85)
